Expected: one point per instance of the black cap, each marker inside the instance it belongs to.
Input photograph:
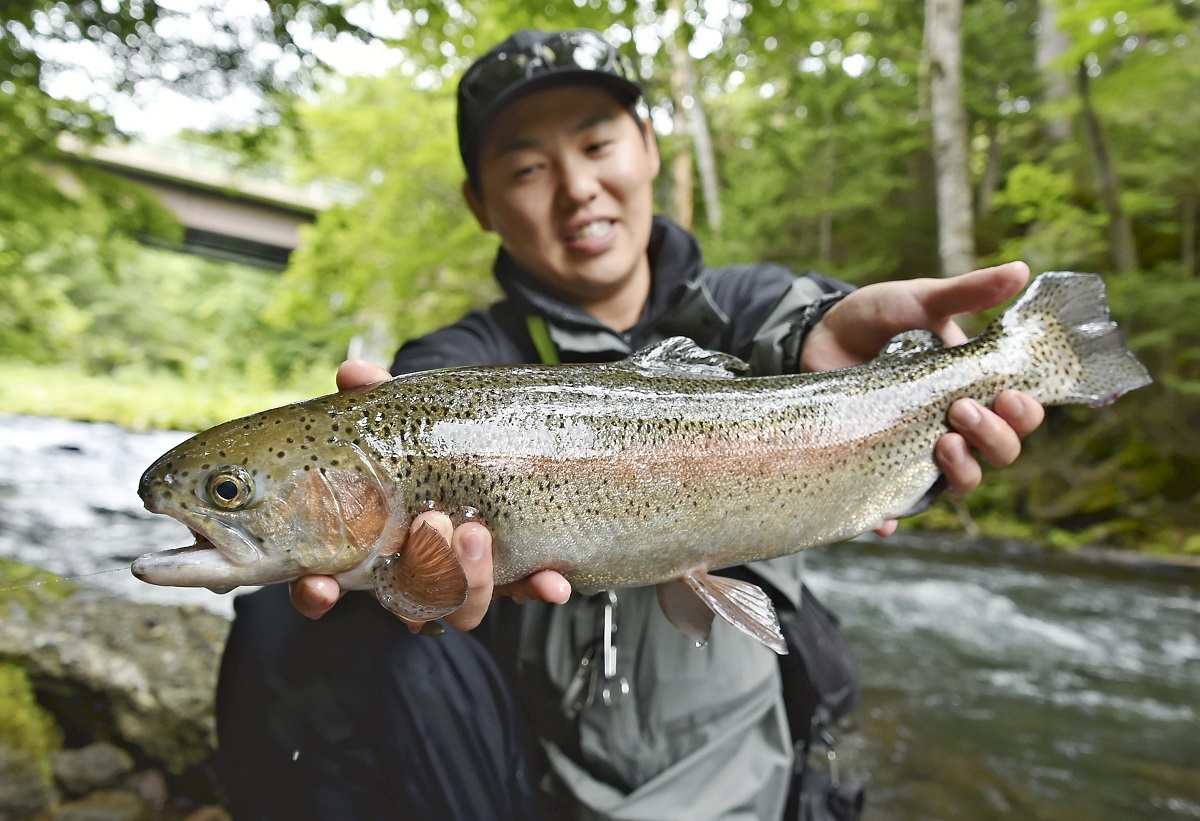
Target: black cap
(531, 60)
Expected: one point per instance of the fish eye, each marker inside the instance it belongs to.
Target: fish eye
(230, 487)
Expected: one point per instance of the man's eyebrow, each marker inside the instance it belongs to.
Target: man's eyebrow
(521, 142)
(518, 143)
(592, 120)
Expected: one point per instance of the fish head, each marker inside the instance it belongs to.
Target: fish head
(268, 498)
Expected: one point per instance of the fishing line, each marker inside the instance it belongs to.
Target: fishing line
(57, 578)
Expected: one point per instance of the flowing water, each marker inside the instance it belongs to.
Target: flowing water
(995, 686)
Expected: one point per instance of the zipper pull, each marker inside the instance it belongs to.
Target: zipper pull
(578, 692)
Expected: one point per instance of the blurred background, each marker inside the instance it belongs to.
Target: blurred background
(206, 206)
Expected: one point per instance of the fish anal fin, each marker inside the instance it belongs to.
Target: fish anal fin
(690, 614)
(740, 603)
(424, 581)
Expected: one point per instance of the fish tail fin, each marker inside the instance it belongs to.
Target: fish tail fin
(1086, 361)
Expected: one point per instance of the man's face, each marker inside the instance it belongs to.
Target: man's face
(566, 180)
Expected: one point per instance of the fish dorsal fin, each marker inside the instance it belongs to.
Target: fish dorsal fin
(909, 343)
(680, 356)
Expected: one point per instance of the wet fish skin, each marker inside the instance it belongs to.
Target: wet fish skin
(646, 471)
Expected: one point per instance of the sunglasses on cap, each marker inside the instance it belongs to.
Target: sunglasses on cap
(512, 64)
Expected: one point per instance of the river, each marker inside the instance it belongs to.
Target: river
(996, 686)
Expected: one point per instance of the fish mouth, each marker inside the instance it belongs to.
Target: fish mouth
(220, 564)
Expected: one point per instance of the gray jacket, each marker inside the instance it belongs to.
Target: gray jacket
(636, 722)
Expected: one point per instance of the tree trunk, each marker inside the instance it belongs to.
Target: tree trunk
(956, 230)
(691, 120)
(1187, 233)
(1052, 44)
(1120, 231)
(825, 219)
(683, 186)
(705, 158)
(991, 171)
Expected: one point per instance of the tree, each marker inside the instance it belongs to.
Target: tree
(956, 229)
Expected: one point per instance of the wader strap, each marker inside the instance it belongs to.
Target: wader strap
(540, 334)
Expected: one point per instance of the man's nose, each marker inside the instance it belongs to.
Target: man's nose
(577, 183)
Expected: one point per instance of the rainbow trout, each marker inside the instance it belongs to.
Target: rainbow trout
(655, 470)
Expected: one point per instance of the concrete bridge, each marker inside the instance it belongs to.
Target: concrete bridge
(226, 214)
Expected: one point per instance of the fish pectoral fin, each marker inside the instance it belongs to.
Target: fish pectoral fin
(684, 609)
(740, 603)
(422, 582)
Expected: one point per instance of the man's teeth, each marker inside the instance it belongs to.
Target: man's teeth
(597, 228)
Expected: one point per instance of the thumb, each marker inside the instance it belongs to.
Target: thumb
(974, 292)
(357, 373)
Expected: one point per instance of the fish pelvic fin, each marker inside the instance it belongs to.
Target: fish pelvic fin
(690, 614)
(424, 581)
(1075, 305)
(740, 603)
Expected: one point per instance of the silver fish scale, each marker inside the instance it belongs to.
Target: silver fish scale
(623, 474)
(573, 465)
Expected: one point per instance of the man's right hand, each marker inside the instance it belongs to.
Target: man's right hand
(314, 596)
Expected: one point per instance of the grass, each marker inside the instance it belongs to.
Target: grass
(139, 400)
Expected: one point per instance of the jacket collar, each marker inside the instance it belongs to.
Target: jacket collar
(676, 297)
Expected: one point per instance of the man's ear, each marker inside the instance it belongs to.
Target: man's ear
(475, 203)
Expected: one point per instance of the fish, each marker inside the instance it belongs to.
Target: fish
(659, 469)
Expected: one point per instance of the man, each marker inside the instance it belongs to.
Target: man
(621, 717)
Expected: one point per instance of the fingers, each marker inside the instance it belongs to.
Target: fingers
(358, 373)
(473, 544)
(954, 459)
(973, 292)
(545, 585)
(887, 528)
(313, 596)
(983, 430)
(996, 434)
(951, 334)
(1021, 411)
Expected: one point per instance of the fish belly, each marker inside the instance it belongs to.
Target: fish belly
(644, 520)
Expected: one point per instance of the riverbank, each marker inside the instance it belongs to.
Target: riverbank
(106, 706)
(138, 400)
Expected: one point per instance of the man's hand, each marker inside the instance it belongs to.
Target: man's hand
(313, 596)
(858, 327)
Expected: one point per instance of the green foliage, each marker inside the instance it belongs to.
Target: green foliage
(24, 726)
(1058, 231)
(143, 399)
(406, 255)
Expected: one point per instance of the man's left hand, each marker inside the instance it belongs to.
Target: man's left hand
(856, 329)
